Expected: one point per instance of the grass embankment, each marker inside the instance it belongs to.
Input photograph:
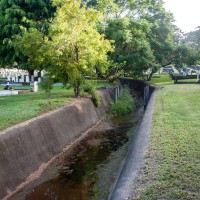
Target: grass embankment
(172, 170)
(18, 108)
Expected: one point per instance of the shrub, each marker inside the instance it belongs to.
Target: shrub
(125, 103)
(90, 89)
(47, 83)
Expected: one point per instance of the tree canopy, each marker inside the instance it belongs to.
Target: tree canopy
(15, 18)
(142, 31)
(76, 47)
(73, 49)
(74, 39)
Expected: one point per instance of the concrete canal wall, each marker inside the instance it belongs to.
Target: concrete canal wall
(25, 147)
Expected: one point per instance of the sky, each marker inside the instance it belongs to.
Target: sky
(186, 13)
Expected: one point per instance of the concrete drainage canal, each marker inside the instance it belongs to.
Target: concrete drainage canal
(90, 169)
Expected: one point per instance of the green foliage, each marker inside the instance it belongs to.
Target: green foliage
(95, 98)
(47, 83)
(132, 51)
(79, 40)
(162, 35)
(118, 9)
(30, 44)
(143, 35)
(189, 51)
(125, 104)
(89, 87)
(185, 55)
(15, 18)
(192, 39)
(75, 49)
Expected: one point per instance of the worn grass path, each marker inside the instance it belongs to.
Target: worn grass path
(172, 169)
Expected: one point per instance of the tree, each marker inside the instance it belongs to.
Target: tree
(192, 39)
(132, 49)
(31, 46)
(15, 18)
(143, 32)
(75, 48)
(185, 55)
(161, 36)
(119, 8)
(121, 24)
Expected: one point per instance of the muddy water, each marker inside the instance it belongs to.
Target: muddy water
(91, 168)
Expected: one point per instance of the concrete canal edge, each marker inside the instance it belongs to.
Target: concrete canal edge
(124, 186)
(26, 147)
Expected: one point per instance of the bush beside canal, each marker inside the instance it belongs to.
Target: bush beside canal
(125, 103)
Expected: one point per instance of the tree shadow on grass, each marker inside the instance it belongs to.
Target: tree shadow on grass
(185, 82)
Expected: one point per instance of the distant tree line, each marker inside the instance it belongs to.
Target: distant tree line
(72, 39)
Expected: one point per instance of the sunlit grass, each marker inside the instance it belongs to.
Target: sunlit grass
(173, 159)
(18, 108)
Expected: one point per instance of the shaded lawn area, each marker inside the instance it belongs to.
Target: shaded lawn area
(161, 79)
(172, 170)
(18, 108)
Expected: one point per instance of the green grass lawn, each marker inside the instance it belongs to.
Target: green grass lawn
(172, 170)
(18, 108)
(161, 80)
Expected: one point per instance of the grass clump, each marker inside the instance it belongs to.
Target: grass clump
(125, 103)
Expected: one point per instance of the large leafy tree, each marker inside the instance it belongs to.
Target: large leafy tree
(132, 49)
(192, 39)
(143, 33)
(188, 50)
(122, 24)
(185, 55)
(75, 48)
(161, 37)
(16, 16)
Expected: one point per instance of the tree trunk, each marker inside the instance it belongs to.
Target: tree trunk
(150, 75)
(77, 84)
(39, 73)
(77, 52)
(77, 90)
(31, 73)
